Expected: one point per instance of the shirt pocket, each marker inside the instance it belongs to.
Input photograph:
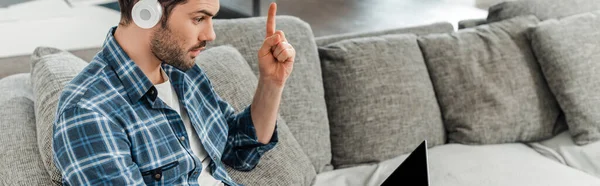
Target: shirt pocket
(165, 174)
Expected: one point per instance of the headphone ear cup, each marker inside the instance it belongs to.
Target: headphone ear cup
(146, 13)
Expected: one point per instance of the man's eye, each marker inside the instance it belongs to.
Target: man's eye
(200, 19)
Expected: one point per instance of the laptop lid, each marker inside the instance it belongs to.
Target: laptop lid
(414, 170)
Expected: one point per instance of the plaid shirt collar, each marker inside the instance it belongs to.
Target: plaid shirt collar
(133, 78)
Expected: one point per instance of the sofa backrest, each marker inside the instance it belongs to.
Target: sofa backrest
(438, 27)
(20, 163)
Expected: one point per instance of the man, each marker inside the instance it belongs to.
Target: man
(143, 113)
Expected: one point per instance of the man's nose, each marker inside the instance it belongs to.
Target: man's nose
(208, 34)
(212, 36)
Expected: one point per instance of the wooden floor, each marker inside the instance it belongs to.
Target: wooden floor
(328, 17)
(484, 4)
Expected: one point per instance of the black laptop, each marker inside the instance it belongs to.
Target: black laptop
(413, 171)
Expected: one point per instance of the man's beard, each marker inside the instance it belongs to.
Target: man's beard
(166, 48)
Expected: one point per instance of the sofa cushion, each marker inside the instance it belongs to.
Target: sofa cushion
(52, 69)
(569, 53)
(542, 9)
(563, 149)
(500, 164)
(440, 27)
(489, 84)
(380, 99)
(16, 85)
(234, 81)
(302, 104)
(464, 165)
(20, 163)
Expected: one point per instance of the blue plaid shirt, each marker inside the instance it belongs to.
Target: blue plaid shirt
(111, 129)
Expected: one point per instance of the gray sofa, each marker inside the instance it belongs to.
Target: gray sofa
(512, 100)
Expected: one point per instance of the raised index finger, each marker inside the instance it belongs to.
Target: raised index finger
(271, 19)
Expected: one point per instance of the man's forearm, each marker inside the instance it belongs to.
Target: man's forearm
(265, 106)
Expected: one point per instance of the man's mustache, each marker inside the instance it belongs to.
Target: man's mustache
(200, 45)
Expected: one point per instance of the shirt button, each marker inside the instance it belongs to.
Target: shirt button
(195, 172)
(157, 176)
(182, 138)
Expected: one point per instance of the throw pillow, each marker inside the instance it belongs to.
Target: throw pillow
(380, 100)
(489, 84)
(569, 53)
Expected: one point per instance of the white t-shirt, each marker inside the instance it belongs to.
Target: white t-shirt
(167, 94)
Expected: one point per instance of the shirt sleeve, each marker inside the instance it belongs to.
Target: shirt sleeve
(89, 149)
(242, 150)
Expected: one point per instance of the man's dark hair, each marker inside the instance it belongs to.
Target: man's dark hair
(127, 5)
